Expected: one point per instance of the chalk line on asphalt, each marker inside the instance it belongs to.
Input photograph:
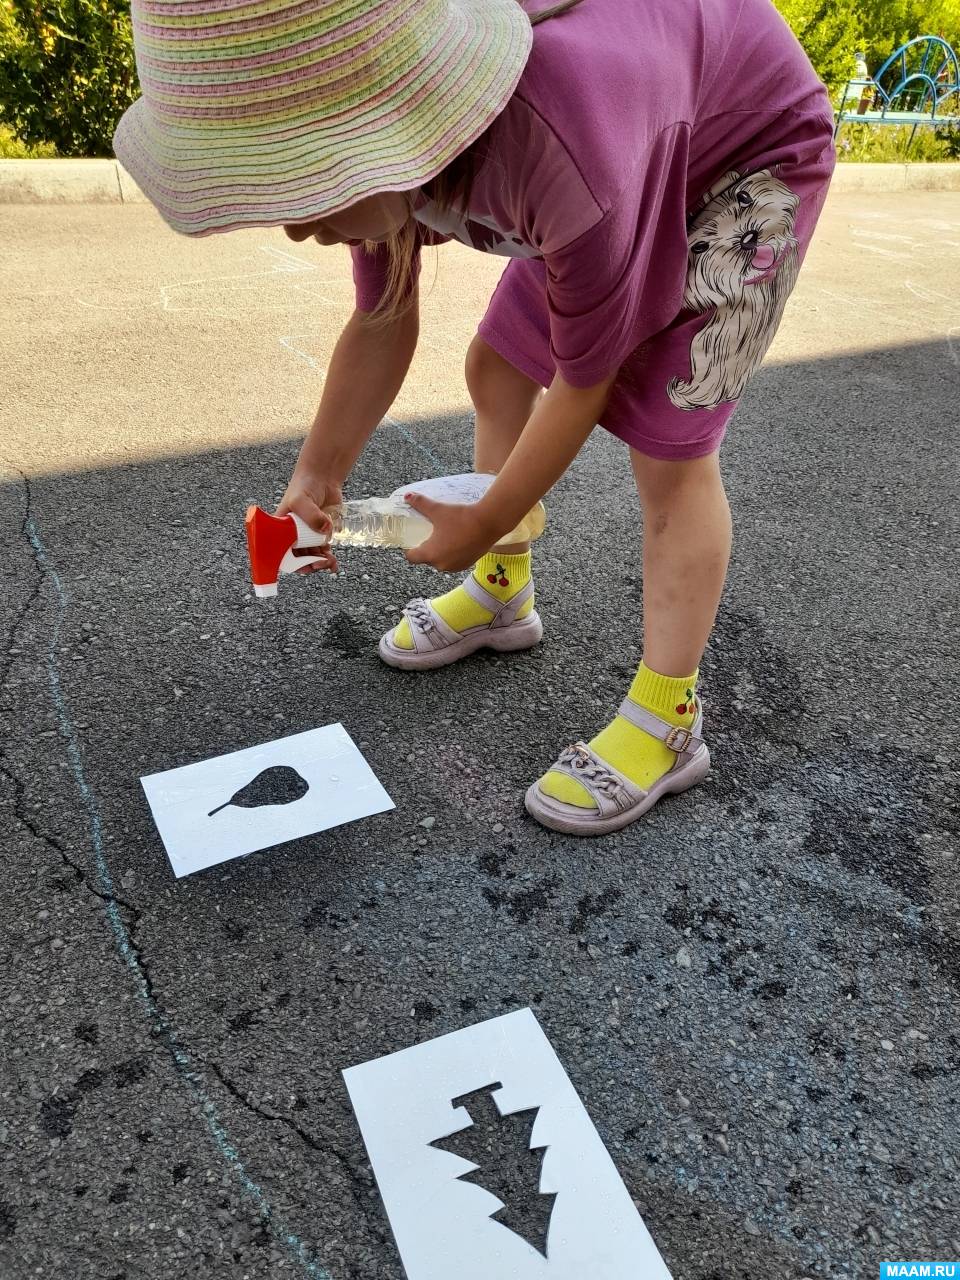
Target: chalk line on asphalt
(182, 1061)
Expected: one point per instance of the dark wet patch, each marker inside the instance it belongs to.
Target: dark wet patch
(119, 1194)
(868, 812)
(933, 1071)
(492, 861)
(524, 904)
(424, 1011)
(179, 1172)
(131, 1071)
(763, 729)
(86, 1083)
(80, 1190)
(243, 1021)
(320, 916)
(709, 923)
(8, 1220)
(468, 1005)
(592, 906)
(822, 1043)
(346, 637)
(87, 1032)
(235, 932)
(56, 1116)
(770, 990)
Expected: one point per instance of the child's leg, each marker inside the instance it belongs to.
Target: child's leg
(504, 398)
(686, 548)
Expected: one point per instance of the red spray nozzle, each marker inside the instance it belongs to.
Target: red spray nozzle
(270, 540)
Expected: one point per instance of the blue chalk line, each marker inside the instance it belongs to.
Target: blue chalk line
(159, 1023)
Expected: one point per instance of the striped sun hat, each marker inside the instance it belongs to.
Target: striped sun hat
(260, 112)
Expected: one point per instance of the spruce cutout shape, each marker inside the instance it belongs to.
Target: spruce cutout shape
(507, 1166)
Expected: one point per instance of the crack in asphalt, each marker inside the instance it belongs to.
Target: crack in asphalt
(10, 658)
(53, 843)
(358, 1187)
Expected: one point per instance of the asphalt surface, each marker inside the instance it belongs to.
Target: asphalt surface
(754, 991)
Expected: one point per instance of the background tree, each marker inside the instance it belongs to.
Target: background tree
(831, 33)
(66, 72)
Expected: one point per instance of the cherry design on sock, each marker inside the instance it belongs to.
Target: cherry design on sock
(687, 708)
(499, 576)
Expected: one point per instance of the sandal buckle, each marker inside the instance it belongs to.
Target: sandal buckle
(678, 739)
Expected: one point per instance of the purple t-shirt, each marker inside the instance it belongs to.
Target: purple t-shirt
(623, 117)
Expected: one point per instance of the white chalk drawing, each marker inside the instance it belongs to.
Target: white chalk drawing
(287, 284)
(235, 804)
(416, 1109)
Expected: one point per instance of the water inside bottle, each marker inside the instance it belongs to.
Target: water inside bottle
(391, 522)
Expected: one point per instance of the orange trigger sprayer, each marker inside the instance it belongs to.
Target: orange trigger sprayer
(271, 541)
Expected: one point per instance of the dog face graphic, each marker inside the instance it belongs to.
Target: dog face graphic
(742, 230)
(742, 265)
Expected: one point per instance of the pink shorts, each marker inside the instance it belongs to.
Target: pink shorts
(677, 391)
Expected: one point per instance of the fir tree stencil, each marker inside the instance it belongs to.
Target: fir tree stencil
(507, 1166)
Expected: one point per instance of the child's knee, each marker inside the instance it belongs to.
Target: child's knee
(494, 384)
(662, 483)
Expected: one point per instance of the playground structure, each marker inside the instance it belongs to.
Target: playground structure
(917, 86)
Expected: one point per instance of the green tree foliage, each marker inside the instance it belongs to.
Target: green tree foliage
(66, 72)
(887, 24)
(830, 32)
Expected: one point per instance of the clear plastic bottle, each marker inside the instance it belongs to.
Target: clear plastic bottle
(391, 522)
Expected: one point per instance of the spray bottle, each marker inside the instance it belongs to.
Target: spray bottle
(366, 522)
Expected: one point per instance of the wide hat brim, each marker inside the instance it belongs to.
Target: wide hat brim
(258, 170)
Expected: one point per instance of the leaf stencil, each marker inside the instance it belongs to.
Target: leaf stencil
(280, 784)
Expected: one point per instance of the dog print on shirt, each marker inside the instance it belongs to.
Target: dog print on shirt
(742, 265)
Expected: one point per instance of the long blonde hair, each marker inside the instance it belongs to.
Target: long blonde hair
(452, 183)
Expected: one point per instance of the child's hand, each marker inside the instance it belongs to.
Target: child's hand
(461, 535)
(307, 495)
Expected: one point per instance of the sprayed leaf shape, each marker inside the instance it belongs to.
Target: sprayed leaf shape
(277, 785)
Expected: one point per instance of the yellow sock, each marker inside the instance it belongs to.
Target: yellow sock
(642, 758)
(503, 576)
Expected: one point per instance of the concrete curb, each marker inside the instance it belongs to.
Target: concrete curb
(107, 182)
(896, 177)
(67, 182)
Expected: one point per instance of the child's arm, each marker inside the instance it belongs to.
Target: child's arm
(366, 372)
(554, 435)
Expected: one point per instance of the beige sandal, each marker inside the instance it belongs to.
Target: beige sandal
(436, 643)
(620, 801)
